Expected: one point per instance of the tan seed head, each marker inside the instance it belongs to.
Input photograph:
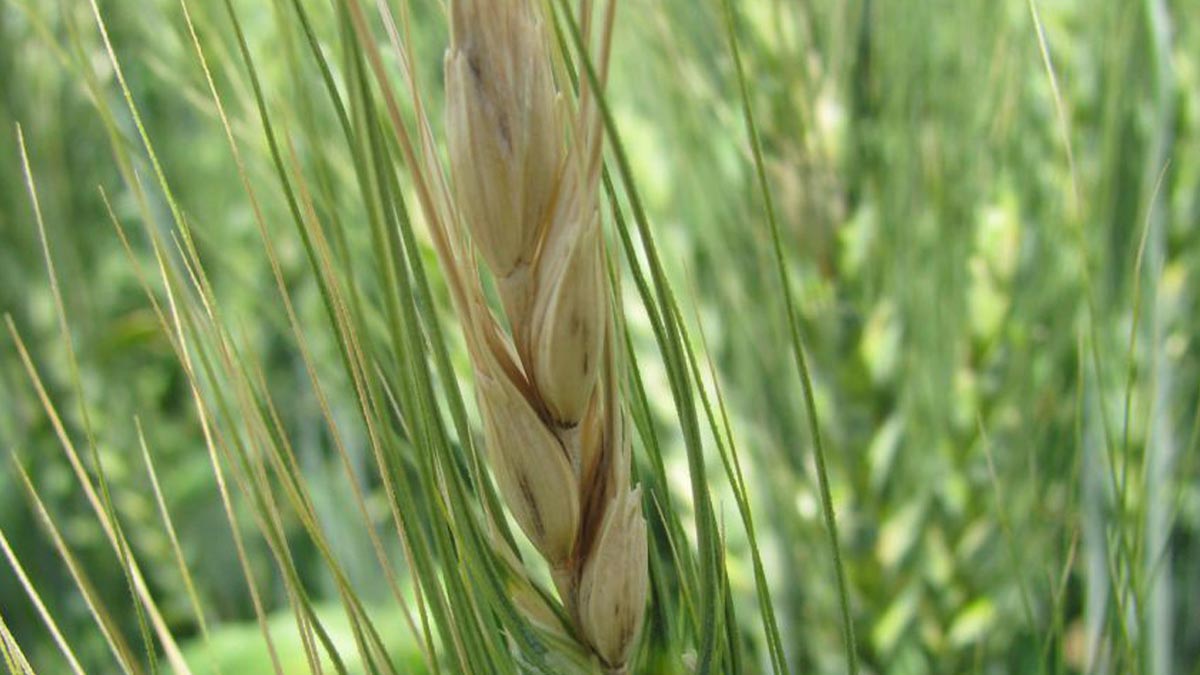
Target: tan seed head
(612, 591)
(527, 192)
(531, 468)
(569, 314)
(504, 126)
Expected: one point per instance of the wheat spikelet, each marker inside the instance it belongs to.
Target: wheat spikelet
(525, 168)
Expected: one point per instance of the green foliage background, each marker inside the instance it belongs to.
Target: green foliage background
(997, 284)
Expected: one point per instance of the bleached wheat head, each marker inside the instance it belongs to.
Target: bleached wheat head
(525, 166)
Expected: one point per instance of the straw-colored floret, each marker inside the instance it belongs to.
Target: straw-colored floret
(525, 174)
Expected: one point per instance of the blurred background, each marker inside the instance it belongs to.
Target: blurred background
(991, 215)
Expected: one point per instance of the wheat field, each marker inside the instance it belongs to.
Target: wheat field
(599, 336)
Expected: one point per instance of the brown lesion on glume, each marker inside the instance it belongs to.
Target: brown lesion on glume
(478, 76)
(476, 69)
(539, 526)
(578, 329)
(505, 133)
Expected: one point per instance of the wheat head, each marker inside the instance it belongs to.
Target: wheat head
(525, 164)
